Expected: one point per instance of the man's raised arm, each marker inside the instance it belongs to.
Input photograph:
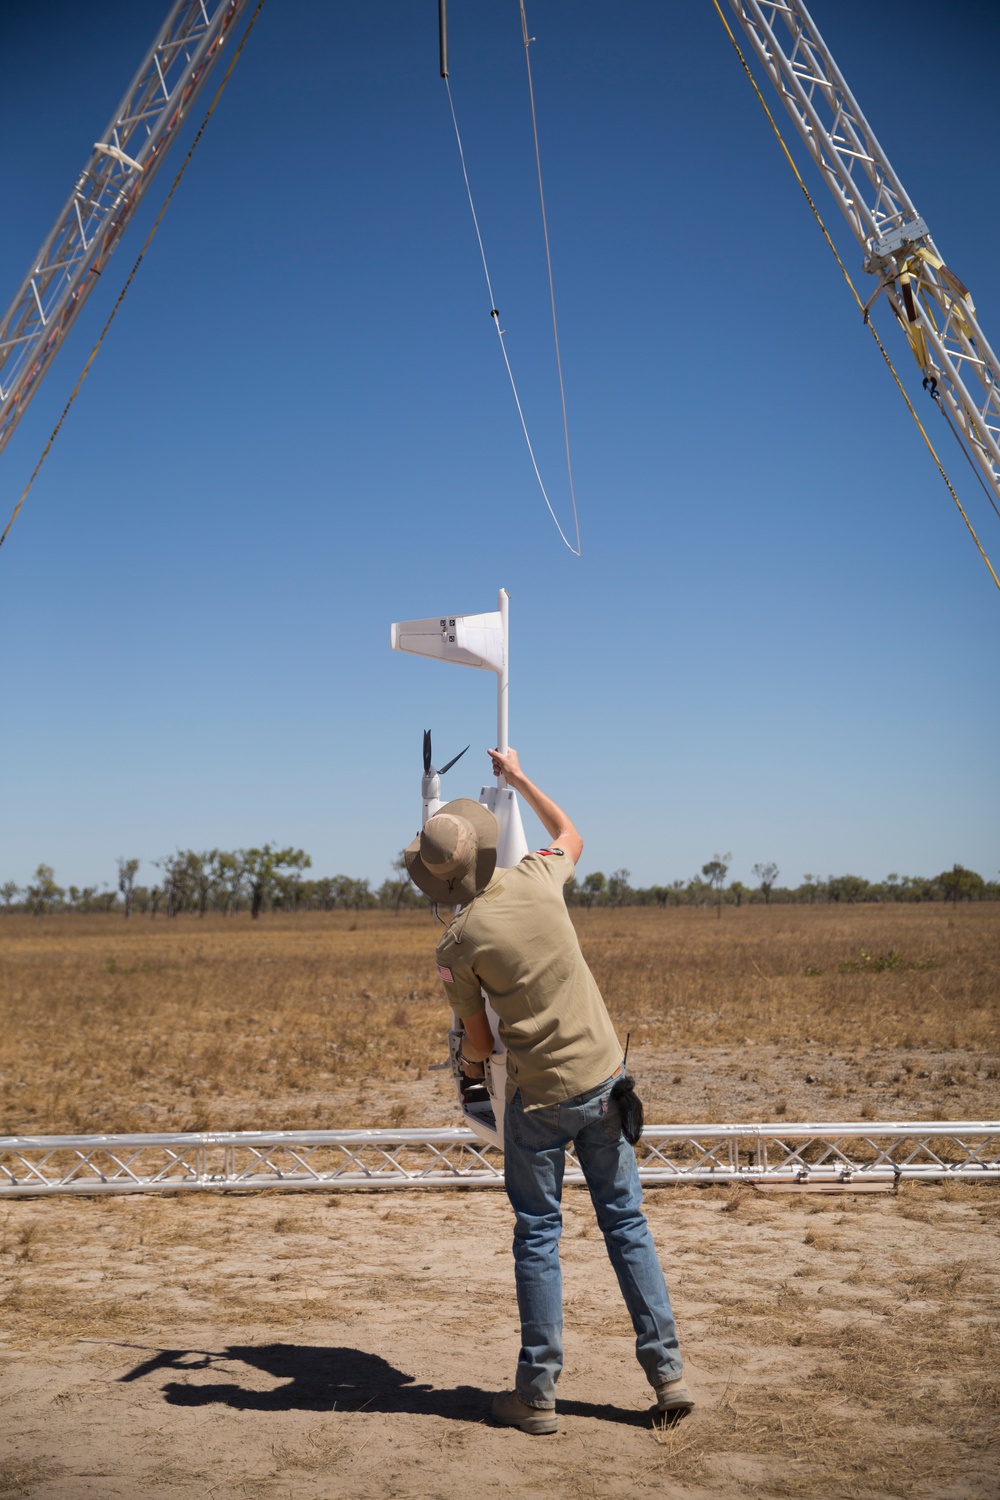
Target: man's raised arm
(549, 814)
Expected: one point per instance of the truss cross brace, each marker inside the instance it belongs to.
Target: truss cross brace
(845, 1153)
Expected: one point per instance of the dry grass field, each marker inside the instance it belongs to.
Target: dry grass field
(264, 1345)
(332, 1019)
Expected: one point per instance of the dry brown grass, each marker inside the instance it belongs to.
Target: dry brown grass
(332, 1019)
(214, 1024)
(841, 1347)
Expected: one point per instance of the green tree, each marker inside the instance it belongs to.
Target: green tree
(849, 888)
(326, 895)
(715, 872)
(262, 867)
(228, 876)
(142, 899)
(44, 896)
(619, 889)
(128, 869)
(291, 891)
(10, 891)
(355, 894)
(175, 881)
(593, 888)
(82, 898)
(394, 892)
(960, 884)
(199, 874)
(766, 875)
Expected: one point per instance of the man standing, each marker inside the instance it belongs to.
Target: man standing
(513, 939)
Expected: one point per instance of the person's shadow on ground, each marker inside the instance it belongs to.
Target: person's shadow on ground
(319, 1378)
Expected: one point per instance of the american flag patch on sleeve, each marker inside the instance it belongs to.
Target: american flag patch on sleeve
(446, 974)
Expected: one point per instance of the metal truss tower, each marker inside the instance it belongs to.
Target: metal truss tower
(107, 193)
(934, 308)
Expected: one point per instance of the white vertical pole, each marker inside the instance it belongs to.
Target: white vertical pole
(503, 600)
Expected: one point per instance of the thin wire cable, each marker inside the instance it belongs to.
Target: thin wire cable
(494, 314)
(548, 261)
(968, 456)
(854, 292)
(121, 295)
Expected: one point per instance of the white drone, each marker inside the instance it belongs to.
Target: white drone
(473, 641)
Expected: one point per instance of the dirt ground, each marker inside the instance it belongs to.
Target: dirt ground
(302, 1346)
(348, 1344)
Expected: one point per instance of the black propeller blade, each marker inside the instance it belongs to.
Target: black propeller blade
(452, 761)
(427, 756)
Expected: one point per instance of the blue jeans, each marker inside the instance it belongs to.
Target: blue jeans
(535, 1144)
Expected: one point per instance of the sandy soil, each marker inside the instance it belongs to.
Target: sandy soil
(347, 1345)
(339, 1345)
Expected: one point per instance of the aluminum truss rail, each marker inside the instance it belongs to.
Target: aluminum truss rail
(106, 195)
(936, 311)
(930, 1150)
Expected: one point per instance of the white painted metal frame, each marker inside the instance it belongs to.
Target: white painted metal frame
(928, 1150)
(107, 193)
(934, 308)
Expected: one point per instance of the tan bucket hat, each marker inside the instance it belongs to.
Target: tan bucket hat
(454, 855)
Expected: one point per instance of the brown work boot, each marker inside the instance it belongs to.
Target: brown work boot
(510, 1411)
(674, 1396)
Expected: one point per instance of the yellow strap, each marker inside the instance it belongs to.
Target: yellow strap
(959, 292)
(121, 296)
(910, 326)
(882, 350)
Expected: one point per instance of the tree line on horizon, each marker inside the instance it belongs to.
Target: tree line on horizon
(709, 888)
(269, 878)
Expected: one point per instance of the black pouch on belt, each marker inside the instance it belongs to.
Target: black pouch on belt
(629, 1107)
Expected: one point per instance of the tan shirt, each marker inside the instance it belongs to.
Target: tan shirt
(516, 942)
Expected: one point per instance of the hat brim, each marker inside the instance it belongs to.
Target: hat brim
(459, 891)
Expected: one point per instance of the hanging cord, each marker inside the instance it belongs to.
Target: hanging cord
(121, 295)
(935, 395)
(548, 261)
(854, 293)
(494, 314)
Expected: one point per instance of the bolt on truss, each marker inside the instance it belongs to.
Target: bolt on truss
(928, 1150)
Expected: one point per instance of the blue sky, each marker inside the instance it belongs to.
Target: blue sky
(779, 640)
